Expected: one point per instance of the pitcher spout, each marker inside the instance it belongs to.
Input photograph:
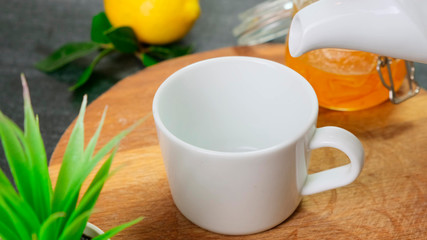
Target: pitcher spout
(394, 28)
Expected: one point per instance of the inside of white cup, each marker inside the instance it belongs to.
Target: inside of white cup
(236, 104)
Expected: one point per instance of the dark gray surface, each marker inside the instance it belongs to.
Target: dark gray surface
(31, 29)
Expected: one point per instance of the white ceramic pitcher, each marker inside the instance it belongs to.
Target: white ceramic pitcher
(394, 28)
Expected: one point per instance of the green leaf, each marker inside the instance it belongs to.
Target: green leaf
(108, 146)
(113, 142)
(98, 180)
(169, 51)
(100, 24)
(66, 54)
(69, 183)
(90, 197)
(123, 39)
(88, 166)
(147, 60)
(7, 233)
(42, 187)
(73, 229)
(47, 229)
(14, 208)
(110, 233)
(7, 191)
(88, 71)
(17, 153)
(19, 223)
(90, 148)
(17, 157)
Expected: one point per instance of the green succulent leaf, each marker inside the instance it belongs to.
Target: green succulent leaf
(90, 148)
(113, 142)
(15, 212)
(123, 39)
(69, 181)
(108, 147)
(47, 229)
(66, 54)
(7, 233)
(100, 24)
(89, 199)
(8, 217)
(88, 71)
(17, 157)
(42, 186)
(12, 220)
(36, 211)
(112, 232)
(73, 229)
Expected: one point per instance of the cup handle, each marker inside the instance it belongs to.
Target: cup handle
(340, 176)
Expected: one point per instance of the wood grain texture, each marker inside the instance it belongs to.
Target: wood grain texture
(387, 201)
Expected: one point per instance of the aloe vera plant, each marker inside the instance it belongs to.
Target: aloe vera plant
(37, 211)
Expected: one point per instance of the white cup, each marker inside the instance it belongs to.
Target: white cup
(236, 135)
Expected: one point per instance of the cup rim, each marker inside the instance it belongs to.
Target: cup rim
(160, 125)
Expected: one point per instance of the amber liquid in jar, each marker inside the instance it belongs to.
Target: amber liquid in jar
(345, 79)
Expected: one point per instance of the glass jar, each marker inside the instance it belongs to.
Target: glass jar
(345, 79)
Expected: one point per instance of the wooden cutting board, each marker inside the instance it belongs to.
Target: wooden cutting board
(387, 201)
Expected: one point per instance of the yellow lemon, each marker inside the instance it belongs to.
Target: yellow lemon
(154, 21)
